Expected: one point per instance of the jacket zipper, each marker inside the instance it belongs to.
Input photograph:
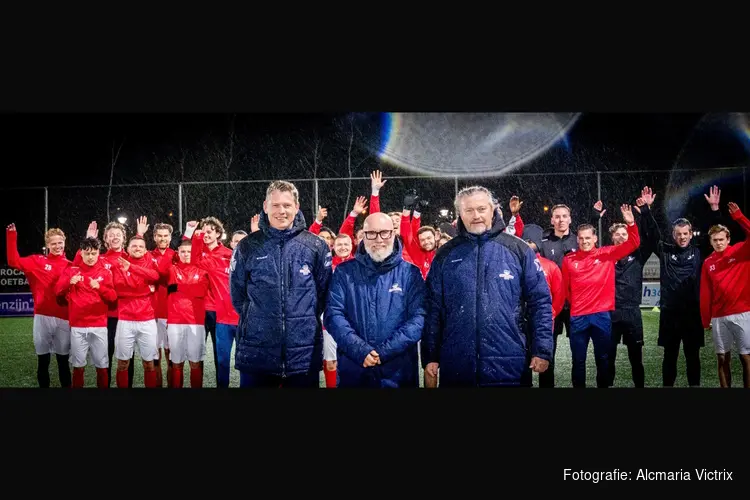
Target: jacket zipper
(478, 299)
(283, 312)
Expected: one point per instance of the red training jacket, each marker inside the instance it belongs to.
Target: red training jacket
(589, 277)
(187, 306)
(725, 278)
(159, 299)
(555, 283)
(216, 262)
(134, 288)
(42, 273)
(109, 261)
(87, 306)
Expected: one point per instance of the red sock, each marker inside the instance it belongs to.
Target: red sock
(330, 376)
(78, 377)
(158, 379)
(102, 378)
(149, 378)
(122, 379)
(176, 378)
(196, 378)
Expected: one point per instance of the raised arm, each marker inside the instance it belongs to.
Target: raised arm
(617, 252)
(743, 247)
(347, 227)
(376, 184)
(317, 224)
(25, 264)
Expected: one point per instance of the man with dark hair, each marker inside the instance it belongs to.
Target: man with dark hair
(162, 238)
(589, 283)
(134, 279)
(88, 289)
(679, 300)
(279, 281)
(187, 288)
(627, 323)
(725, 297)
(236, 238)
(114, 239)
(478, 283)
(51, 330)
(210, 254)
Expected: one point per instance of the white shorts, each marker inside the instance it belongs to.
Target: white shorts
(162, 339)
(129, 333)
(329, 347)
(188, 343)
(85, 340)
(51, 335)
(732, 329)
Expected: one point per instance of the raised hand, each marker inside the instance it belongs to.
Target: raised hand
(376, 180)
(648, 196)
(322, 214)
(714, 197)
(11, 227)
(598, 207)
(142, 225)
(733, 207)
(360, 205)
(255, 223)
(627, 214)
(93, 230)
(515, 204)
(639, 203)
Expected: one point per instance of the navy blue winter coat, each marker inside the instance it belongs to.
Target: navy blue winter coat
(381, 307)
(475, 288)
(278, 282)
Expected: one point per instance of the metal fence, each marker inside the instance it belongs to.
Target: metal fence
(235, 202)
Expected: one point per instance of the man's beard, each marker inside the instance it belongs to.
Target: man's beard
(379, 255)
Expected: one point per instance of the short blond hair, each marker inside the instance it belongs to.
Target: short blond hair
(115, 225)
(54, 231)
(283, 186)
(719, 228)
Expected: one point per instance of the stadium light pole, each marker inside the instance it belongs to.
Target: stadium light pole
(179, 207)
(599, 197)
(46, 209)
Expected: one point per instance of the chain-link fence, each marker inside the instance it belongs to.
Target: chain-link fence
(72, 208)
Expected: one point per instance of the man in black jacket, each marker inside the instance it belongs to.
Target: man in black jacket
(627, 323)
(680, 320)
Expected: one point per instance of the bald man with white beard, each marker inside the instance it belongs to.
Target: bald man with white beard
(376, 311)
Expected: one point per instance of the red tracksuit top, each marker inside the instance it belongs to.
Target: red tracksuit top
(555, 283)
(725, 278)
(216, 262)
(88, 307)
(589, 277)
(186, 306)
(159, 299)
(134, 288)
(42, 273)
(109, 261)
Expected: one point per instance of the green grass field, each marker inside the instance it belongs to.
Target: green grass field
(18, 361)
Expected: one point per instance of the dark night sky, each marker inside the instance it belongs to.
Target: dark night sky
(80, 145)
(58, 150)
